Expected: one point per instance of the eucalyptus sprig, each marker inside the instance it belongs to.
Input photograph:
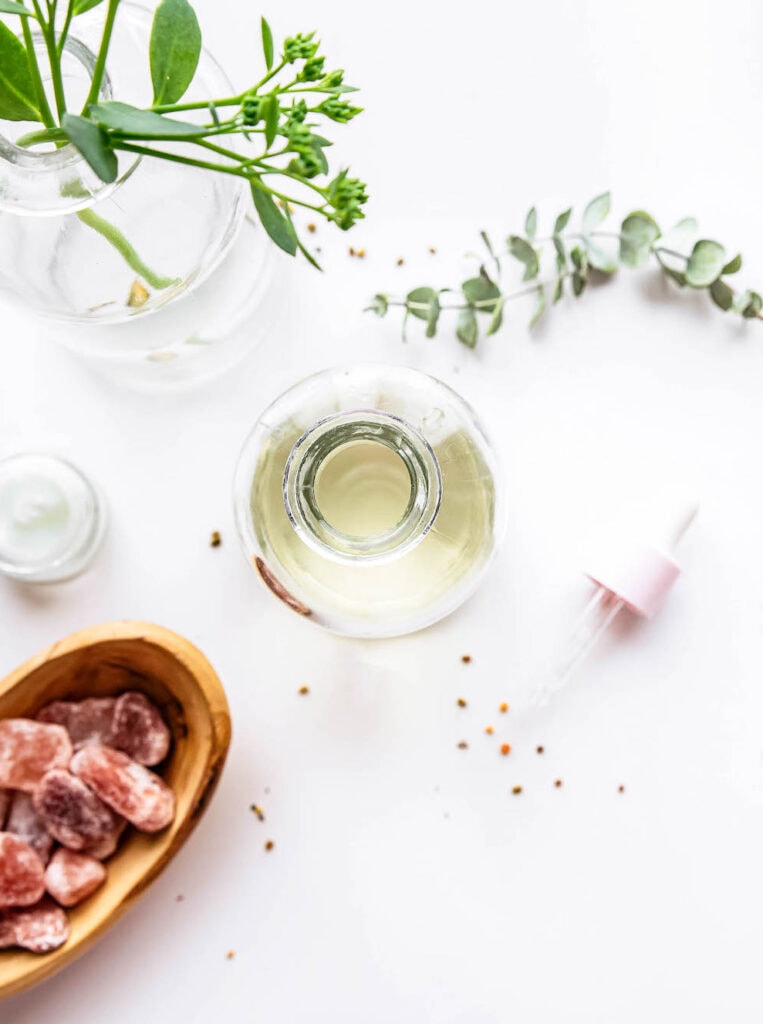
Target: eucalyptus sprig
(681, 255)
(265, 134)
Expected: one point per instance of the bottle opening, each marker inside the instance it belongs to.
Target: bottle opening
(362, 484)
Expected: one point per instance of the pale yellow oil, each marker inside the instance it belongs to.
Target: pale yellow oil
(363, 489)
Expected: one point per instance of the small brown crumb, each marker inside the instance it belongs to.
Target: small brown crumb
(505, 749)
(303, 690)
(215, 540)
(489, 730)
(311, 228)
(461, 702)
(516, 790)
(269, 845)
(351, 251)
(503, 708)
(558, 783)
(539, 750)
(621, 789)
(361, 254)
(432, 249)
(230, 954)
(179, 898)
(466, 658)
(400, 261)
(463, 745)
(256, 809)
(138, 294)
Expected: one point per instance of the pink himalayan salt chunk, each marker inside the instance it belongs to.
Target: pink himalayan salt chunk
(6, 795)
(132, 790)
(86, 721)
(73, 814)
(139, 729)
(71, 877)
(24, 822)
(29, 749)
(21, 873)
(40, 929)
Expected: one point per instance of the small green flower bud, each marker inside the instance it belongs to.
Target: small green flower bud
(338, 110)
(296, 114)
(333, 79)
(300, 47)
(250, 108)
(312, 70)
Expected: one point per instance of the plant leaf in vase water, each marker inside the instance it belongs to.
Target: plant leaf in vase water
(576, 257)
(267, 134)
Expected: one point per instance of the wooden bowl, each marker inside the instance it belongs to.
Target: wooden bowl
(104, 661)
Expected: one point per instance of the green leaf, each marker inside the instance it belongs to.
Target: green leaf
(595, 212)
(705, 264)
(599, 258)
(275, 223)
(722, 295)
(638, 233)
(497, 318)
(13, 7)
(267, 43)
(270, 111)
(558, 290)
(561, 255)
(733, 266)
(80, 6)
(482, 293)
(687, 225)
(434, 315)
(467, 331)
(748, 304)
(17, 96)
(579, 258)
(540, 306)
(421, 302)
(562, 221)
(93, 143)
(531, 224)
(578, 283)
(675, 275)
(521, 249)
(174, 49)
(379, 305)
(141, 124)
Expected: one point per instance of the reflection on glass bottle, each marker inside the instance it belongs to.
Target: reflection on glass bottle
(367, 498)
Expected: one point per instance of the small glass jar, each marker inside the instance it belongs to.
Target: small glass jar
(52, 519)
(367, 499)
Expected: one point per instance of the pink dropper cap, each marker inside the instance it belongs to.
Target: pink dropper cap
(641, 572)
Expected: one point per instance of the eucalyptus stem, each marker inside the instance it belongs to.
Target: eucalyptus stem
(117, 239)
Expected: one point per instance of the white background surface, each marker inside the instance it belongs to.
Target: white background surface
(406, 883)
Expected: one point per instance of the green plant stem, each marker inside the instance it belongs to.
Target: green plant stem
(34, 70)
(176, 108)
(54, 60)
(115, 238)
(488, 304)
(100, 62)
(65, 27)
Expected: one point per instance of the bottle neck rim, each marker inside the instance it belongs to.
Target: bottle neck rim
(332, 433)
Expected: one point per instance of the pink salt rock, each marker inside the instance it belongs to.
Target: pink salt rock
(73, 814)
(130, 789)
(6, 795)
(71, 877)
(40, 929)
(29, 749)
(24, 822)
(86, 721)
(21, 873)
(139, 729)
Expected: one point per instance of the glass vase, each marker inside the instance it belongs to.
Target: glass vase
(368, 501)
(159, 278)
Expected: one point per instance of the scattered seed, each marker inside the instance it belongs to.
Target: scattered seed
(489, 730)
(621, 789)
(558, 783)
(179, 898)
(539, 750)
(463, 745)
(516, 790)
(432, 249)
(505, 749)
(461, 702)
(303, 690)
(269, 845)
(361, 254)
(230, 954)
(215, 540)
(503, 708)
(256, 809)
(311, 228)
(466, 658)
(400, 261)
(351, 251)
(138, 294)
